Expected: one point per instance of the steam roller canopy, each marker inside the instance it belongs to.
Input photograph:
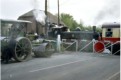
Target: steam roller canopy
(99, 47)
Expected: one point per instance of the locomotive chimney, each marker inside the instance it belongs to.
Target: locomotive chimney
(94, 29)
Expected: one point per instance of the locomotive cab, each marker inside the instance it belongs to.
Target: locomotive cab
(111, 33)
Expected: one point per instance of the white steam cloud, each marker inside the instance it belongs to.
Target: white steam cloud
(38, 14)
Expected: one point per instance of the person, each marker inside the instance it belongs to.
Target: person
(100, 36)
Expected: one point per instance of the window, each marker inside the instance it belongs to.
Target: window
(109, 32)
(108, 29)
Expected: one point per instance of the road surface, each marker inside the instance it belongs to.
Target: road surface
(68, 66)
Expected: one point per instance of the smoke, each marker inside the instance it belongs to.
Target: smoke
(38, 14)
(110, 11)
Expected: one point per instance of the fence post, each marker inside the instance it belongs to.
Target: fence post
(93, 40)
(58, 43)
(76, 45)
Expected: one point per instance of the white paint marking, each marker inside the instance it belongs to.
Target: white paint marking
(114, 75)
(56, 66)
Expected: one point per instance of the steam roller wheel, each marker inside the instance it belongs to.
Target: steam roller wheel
(21, 48)
(43, 50)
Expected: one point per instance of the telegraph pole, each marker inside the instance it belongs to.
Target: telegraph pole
(45, 7)
(46, 24)
(58, 13)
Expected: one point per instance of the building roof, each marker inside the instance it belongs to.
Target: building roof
(51, 18)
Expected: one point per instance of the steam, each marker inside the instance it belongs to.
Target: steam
(38, 14)
(110, 10)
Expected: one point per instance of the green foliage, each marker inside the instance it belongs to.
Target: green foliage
(69, 21)
(88, 28)
(72, 24)
(81, 25)
(98, 29)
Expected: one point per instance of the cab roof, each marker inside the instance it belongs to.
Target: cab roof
(111, 25)
(14, 21)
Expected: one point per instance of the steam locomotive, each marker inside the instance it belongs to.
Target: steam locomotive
(108, 39)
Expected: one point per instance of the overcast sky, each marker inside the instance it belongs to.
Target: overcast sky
(90, 12)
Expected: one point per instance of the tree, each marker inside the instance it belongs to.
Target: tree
(81, 25)
(69, 21)
(99, 29)
(72, 24)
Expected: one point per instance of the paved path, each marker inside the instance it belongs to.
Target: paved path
(69, 66)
